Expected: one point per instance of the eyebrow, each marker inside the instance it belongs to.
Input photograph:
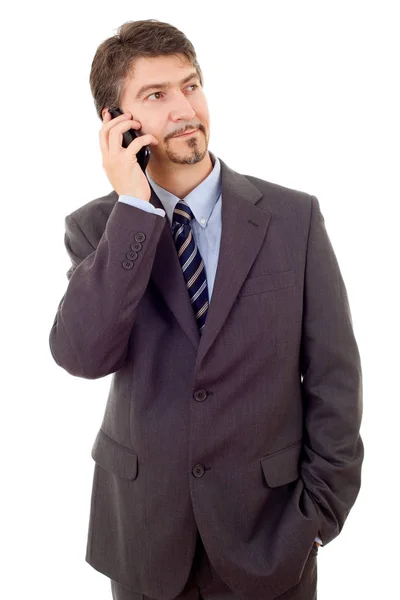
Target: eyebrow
(163, 85)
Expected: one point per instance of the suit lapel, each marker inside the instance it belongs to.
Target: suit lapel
(244, 227)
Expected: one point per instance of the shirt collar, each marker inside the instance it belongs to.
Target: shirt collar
(201, 200)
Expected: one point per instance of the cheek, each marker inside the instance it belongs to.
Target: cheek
(202, 117)
(156, 128)
(200, 106)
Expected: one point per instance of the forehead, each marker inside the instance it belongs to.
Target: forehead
(146, 70)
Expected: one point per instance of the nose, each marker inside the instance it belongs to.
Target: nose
(182, 109)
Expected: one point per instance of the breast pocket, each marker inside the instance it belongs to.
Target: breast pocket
(267, 283)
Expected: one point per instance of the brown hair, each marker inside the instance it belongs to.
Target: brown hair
(115, 56)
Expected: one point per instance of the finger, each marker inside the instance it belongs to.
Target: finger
(115, 138)
(143, 140)
(121, 123)
(110, 122)
(115, 134)
(138, 143)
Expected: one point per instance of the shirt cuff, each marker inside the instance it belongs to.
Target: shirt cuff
(317, 539)
(142, 204)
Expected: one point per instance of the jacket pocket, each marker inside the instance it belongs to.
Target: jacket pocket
(113, 457)
(268, 282)
(282, 467)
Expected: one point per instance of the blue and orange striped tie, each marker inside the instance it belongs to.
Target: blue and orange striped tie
(191, 262)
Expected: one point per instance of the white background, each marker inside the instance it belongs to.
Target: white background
(303, 94)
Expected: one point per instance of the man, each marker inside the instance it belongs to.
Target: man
(230, 445)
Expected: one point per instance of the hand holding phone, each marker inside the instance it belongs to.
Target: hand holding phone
(121, 162)
(128, 136)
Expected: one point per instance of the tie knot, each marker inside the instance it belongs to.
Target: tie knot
(182, 213)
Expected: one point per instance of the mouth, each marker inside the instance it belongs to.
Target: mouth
(187, 133)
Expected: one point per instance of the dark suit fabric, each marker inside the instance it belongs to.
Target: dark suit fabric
(204, 582)
(249, 434)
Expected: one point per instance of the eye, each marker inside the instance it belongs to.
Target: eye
(193, 85)
(153, 94)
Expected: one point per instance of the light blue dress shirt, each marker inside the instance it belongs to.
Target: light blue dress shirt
(205, 203)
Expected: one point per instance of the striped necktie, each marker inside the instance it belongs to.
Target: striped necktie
(191, 262)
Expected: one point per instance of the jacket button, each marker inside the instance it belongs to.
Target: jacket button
(136, 246)
(200, 395)
(132, 255)
(198, 470)
(127, 264)
(140, 236)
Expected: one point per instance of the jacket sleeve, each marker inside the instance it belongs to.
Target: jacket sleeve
(90, 334)
(331, 386)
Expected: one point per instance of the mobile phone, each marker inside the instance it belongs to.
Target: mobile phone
(143, 156)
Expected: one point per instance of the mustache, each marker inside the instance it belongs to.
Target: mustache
(188, 128)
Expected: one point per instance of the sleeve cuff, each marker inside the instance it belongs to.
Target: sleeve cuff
(317, 539)
(142, 204)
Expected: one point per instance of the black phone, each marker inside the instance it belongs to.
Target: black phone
(143, 155)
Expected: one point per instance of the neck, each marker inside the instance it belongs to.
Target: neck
(179, 179)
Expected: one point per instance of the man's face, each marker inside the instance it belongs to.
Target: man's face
(168, 111)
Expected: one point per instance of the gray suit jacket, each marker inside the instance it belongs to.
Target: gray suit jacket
(249, 434)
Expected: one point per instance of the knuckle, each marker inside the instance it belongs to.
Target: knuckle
(117, 129)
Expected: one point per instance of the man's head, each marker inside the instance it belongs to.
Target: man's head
(151, 52)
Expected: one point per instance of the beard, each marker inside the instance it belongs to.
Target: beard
(187, 151)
